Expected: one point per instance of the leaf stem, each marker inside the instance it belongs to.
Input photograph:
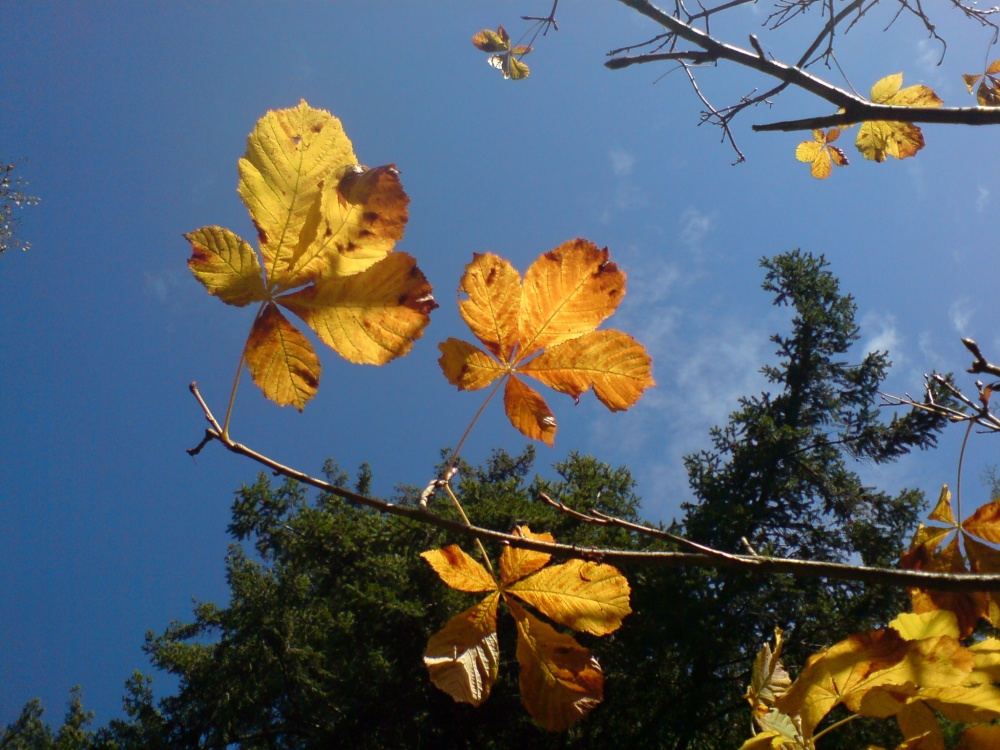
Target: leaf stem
(836, 724)
(239, 372)
(958, 480)
(461, 442)
(479, 542)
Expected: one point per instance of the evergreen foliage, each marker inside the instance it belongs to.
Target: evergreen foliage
(331, 606)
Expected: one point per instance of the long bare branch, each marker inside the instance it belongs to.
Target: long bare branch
(955, 582)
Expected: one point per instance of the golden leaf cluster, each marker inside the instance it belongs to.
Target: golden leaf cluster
(877, 139)
(326, 228)
(503, 57)
(560, 680)
(916, 670)
(545, 328)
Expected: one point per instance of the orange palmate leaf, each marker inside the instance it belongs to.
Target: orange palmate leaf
(985, 522)
(879, 139)
(988, 92)
(560, 679)
(544, 328)
(326, 227)
(821, 154)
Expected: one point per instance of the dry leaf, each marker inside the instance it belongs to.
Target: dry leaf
(878, 139)
(820, 154)
(326, 228)
(544, 328)
(560, 679)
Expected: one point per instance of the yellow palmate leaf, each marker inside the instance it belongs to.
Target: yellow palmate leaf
(290, 153)
(517, 562)
(820, 154)
(568, 291)
(768, 678)
(371, 317)
(879, 139)
(616, 365)
(985, 522)
(464, 656)
(281, 360)
(528, 411)
(845, 670)
(493, 287)
(226, 265)
(942, 511)
(587, 596)
(913, 626)
(466, 366)
(324, 221)
(458, 570)
(560, 680)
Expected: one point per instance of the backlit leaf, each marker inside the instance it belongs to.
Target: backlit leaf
(544, 328)
(583, 595)
(879, 139)
(281, 360)
(492, 41)
(985, 522)
(613, 363)
(290, 153)
(528, 411)
(226, 265)
(768, 678)
(517, 562)
(326, 227)
(463, 657)
(942, 511)
(458, 570)
(820, 154)
(560, 680)
(988, 92)
(371, 317)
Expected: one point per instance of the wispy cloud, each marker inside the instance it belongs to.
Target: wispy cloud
(982, 199)
(960, 313)
(694, 227)
(622, 162)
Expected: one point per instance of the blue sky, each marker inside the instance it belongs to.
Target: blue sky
(133, 116)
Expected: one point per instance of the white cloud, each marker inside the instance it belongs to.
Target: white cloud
(982, 199)
(622, 162)
(694, 226)
(884, 336)
(960, 313)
